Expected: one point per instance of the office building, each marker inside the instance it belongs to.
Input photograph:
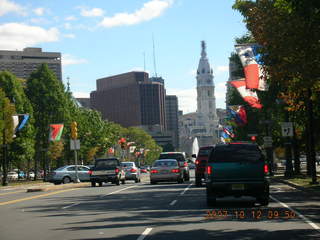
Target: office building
(23, 63)
(172, 118)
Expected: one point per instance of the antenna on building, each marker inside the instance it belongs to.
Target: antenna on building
(154, 58)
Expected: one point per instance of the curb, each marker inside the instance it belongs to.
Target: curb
(58, 187)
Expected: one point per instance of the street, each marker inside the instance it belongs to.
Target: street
(161, 211)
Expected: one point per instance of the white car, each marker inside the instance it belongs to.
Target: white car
(12, 176)
(31, 175)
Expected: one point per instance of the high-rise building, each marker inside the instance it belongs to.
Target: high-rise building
(23, 63)
(130, 99)
(172, 118)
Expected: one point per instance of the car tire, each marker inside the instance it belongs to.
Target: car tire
(56, 183)
(117, 181)
(66, 180)
(211, 198)
(137, 180)
(180, 180)
(198, 181)
(187, 177)
(100, 184)
(123, 181)
(93, 184)
(153, 182)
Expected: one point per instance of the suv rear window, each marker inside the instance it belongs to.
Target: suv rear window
(178, 156)
(204, 152)
(106, 163)
(236, 153)
(165, 164)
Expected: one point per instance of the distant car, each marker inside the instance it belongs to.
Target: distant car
(12, 176)
(144, 169)
(201, 162)
(67, 174)
(107, 170)
(166, 170)
(181, 158)
(131, 170)
(31, 175)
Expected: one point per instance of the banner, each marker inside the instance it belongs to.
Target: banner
(248, 95)
(225, 138)
(229, 131)
(238, 113)
(19, 121)
(55, 132)
(252, 65)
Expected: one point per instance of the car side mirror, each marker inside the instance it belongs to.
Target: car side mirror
(194, 155)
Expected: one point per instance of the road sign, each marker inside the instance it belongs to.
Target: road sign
(287, 129)
(75, 144)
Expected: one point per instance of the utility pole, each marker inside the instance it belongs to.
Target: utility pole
(74, 136)
(4, 161)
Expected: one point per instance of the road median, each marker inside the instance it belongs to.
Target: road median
(58, 187)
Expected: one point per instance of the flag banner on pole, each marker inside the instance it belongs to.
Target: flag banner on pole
(19, 121)
(248, 95)
(55, 132)
(228, 130)
(238, 113)
(252, 65)
(225, 138)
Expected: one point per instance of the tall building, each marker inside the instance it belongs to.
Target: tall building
(172, 118)
(130, 99)
(23, 63)
(202, 124)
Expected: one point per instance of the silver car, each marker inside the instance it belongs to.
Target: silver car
(67, 174)
(131, 170)
(166, 170)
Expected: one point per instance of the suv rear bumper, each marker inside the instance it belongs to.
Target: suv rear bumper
(103, 178)
(238, 188)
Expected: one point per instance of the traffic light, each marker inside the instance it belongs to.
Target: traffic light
(253, 138)
(74, 130)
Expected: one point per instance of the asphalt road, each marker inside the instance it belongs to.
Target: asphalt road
(163, 211)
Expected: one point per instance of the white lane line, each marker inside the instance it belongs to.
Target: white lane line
(173, 202)
(307, 220)
(144, 234)
(73, 204)
(120, 190)
(186, 189)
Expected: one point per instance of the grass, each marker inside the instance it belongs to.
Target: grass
(23, 182)
(303, 181)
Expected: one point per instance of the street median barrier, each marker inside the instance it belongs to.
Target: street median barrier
(58, 187)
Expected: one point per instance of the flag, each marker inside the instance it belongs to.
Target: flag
(224, 137)
(55, 132)
(248, 95)
(253, 66)
(238, 113)
(228, 130)
(19, 121)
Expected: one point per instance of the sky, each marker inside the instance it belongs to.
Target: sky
(100, 38)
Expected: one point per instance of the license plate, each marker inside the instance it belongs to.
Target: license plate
(237, 186)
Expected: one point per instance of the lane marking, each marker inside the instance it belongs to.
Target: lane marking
(186, 189)
(73, 204)
(173, 202)
(34, 197)
(307, 220)
(120, 190)
(1, 194)
(144, 234)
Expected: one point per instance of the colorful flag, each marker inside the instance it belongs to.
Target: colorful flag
(228, 130)
(225, 138)
(252, 65)
(248, 95)
(238, 113)
(55, 132)
(19, 121)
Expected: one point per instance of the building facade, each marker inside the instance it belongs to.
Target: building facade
(172, 118)
(23, 63)
(130, 99)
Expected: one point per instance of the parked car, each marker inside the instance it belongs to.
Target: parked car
(143, 170)
(201, 162)
(12, 176)
(166, 170)
(107, 170)
(67, 174)
(181, 158)
(31, 175)
(132, 172)
(237, 169)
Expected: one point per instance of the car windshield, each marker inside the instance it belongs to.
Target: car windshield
(236, 153)
(106, 163)
(60, 168)
(177, 156)
(165, 164)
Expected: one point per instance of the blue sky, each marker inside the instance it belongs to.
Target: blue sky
(99, 38)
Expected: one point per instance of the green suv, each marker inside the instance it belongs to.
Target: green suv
(237, 169)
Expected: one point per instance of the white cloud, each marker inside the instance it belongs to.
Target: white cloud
(68, 59)
(39, 11)
(70, 35)
(81, 95)
(67, 26)
(7, 6)
(18, 35)
(150, 10)
(94, 12)
(70, 18)
(220, 90)
(187, 99)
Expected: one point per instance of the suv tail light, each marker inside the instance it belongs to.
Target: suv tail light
(175, 170)
(90, 172)
(197, 162)
(154, 171)
(185, 164)
(209, 170)
(266, 168)
(133, 170)
(117, 170)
